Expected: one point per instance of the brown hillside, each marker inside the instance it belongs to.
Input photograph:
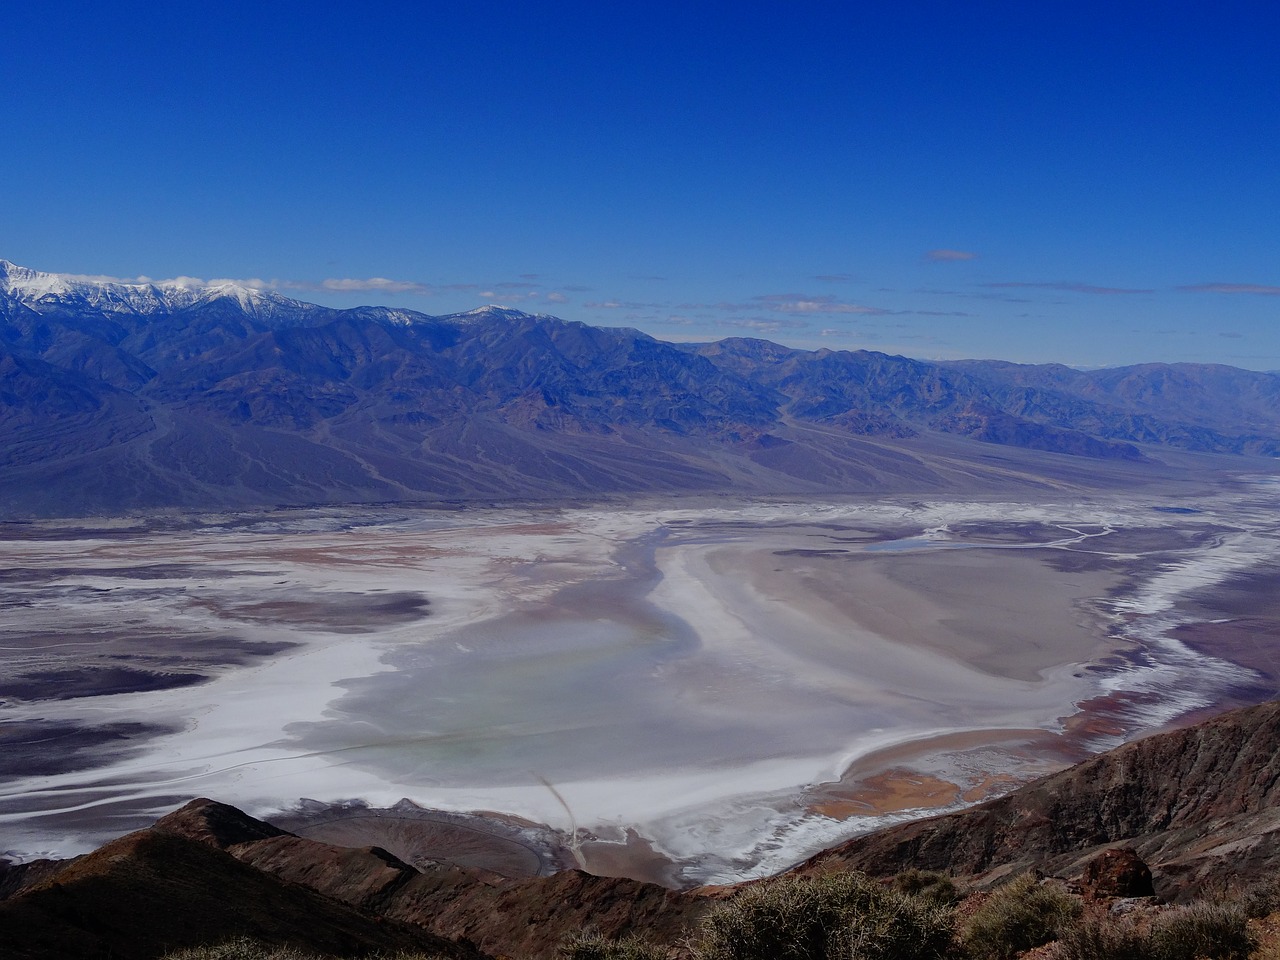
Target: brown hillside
(525, 918)
(153, 891)
(1198, 804)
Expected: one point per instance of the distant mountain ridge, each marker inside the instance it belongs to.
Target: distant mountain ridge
(118, 396)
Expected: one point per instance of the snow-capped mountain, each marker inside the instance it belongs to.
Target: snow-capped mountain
(37, 289)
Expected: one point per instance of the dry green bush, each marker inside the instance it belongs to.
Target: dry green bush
(1104, 940)
(593, 946)
(245, 948)
(929, 885)
(838, 916)
(1258, 899)
(1210, 929)
(241, 948)
(1018, 916)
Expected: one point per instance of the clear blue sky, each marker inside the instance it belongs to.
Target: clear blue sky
(1088, 183)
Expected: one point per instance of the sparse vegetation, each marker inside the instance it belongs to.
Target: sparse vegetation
(1210, 929)
(1096, 939)
(1259, 899)
(837, 916)
(242, 948)
(929, 885)
(1022, 914)
(849, 916)
(593, 946)
(246, 948)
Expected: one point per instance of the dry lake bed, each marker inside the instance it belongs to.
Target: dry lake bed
(693, 691)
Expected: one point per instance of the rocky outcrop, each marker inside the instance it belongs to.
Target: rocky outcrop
(1118, 872)
(525, 918)
(155, 891)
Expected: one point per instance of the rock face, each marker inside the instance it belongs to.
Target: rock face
(132, 396)
(1117, 873)
(207, 873)
(1197, 804)
(154, 891)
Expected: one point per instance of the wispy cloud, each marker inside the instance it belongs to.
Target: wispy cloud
(805, 303)
(622, 305)
(1261, 289)
(556, 296)
(767, 324)
(507, 296)
(834, 277)
(378, 284)
(249, 283)
(254, 283)
(950, 256)
(1066, 288)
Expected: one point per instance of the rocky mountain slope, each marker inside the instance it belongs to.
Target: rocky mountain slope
(127, 396)
(1200, 805)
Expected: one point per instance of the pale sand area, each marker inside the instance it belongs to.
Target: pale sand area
(724, 687)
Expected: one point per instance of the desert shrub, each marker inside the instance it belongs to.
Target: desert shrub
(1020, 915)
(838, 916)
(240, 948)
(593, 946)
(929, 885)
(244, 948)
(1103, 940)
(1209, 929)
(1259, 899)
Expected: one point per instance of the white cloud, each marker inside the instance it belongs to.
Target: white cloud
(507, 298)
(253, 283)
(379, 284)
(1068, 287)
(950, 256)
(1260, 289)
(804, 303)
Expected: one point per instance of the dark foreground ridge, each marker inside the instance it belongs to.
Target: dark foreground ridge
(1198, 805)
(120, 397)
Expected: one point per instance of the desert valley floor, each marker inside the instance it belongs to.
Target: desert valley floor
(689, 691)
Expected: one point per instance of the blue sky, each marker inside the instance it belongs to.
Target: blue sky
(1084, 183)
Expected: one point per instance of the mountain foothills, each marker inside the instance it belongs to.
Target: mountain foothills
(182, 394)
(1174, 814)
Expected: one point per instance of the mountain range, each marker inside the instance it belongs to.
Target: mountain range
(121, 396)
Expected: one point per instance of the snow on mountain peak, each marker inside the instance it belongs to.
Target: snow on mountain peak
(140, 295)
(490, 310)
